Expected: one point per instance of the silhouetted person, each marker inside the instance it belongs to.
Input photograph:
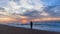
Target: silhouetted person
(31, 24)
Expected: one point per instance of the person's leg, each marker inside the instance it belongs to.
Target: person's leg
(31, 25)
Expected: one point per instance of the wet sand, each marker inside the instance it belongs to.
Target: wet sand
(4, 29)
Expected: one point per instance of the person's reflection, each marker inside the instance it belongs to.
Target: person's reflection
(31, 24)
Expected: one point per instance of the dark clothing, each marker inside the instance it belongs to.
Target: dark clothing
(31, 24)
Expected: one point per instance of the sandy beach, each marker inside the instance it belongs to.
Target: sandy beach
(4, 29)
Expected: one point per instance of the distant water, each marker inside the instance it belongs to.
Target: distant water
(50, 26)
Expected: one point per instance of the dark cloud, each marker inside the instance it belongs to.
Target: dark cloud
(2, 8)
(53, 10)
(33, 14)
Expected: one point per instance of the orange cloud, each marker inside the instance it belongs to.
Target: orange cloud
(22, 16)
(45, 19)
(38, 20)
(7, 19)
(25, 19)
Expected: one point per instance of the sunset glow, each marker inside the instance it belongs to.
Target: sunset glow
(45, 19)
(8, 19)
(24, 21)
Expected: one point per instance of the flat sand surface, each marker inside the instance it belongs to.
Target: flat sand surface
(4, 29)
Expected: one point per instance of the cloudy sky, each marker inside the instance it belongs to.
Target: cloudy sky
(29, 9)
